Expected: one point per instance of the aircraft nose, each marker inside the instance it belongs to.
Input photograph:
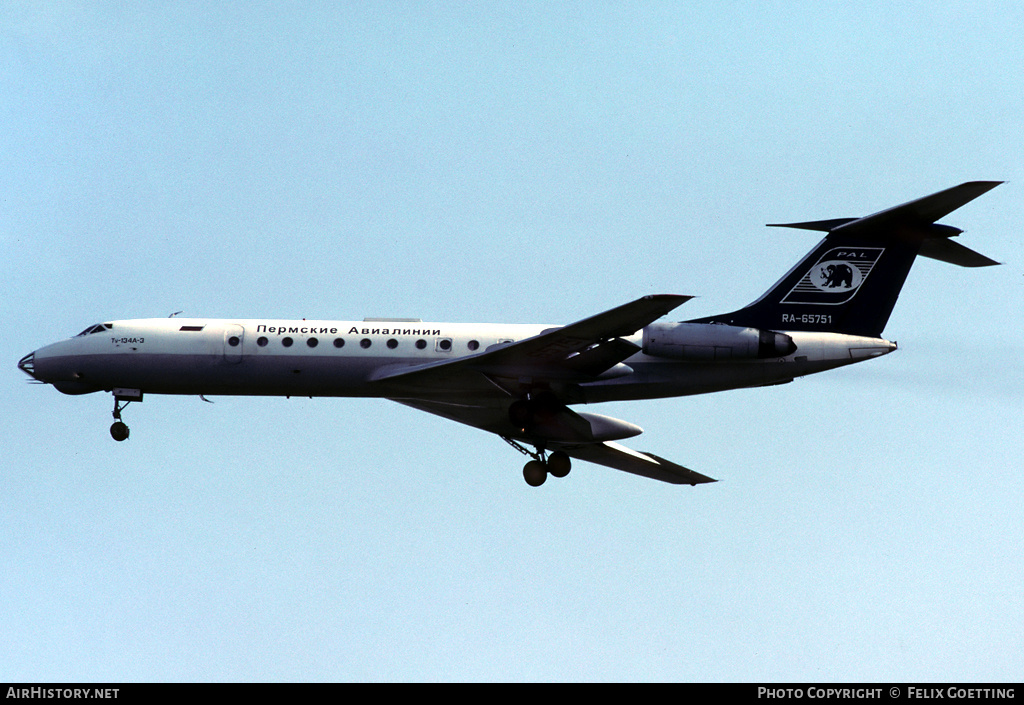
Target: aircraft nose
(27, 365)
(58, 365)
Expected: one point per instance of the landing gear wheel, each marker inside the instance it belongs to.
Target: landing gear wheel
(535, 472)
(559, 464)
(118, 431)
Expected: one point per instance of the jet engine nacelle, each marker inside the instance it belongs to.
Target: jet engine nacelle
(714, 341)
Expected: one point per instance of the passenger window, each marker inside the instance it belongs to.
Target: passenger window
(392, 344)
(444, 345)
(287, 342)
(365, 342)
(339, 342)
(312, 342)
(262, 341)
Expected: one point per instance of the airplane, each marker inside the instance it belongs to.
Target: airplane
(520, 381)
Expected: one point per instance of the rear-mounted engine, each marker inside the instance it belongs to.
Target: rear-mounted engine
(714, 341)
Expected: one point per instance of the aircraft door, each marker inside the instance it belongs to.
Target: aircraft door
(234, 336)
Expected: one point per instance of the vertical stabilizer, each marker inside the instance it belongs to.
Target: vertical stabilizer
(850, 281)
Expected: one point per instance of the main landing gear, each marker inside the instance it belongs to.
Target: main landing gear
(535, 472)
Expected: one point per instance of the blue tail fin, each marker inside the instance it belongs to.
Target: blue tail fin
(850, 281)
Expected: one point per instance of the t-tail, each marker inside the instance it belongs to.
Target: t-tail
(849, 283)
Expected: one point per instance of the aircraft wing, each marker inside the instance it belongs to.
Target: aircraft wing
(493, 417)
(477, 390)
(577, 352)
(613, 455)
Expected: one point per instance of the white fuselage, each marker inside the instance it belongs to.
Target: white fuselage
(344, 358)
(519, 381)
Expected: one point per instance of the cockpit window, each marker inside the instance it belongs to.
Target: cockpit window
(98, 328)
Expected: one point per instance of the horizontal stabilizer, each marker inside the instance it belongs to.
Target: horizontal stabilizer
(820, 225)
(918, 216)
(946, 250)
(923, 211)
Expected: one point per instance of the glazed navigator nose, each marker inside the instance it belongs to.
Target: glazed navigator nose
(27, 365)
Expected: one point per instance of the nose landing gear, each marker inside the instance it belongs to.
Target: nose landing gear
(119, 429)
(122, 398)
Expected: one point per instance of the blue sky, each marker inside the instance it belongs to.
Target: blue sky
(526, 163)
